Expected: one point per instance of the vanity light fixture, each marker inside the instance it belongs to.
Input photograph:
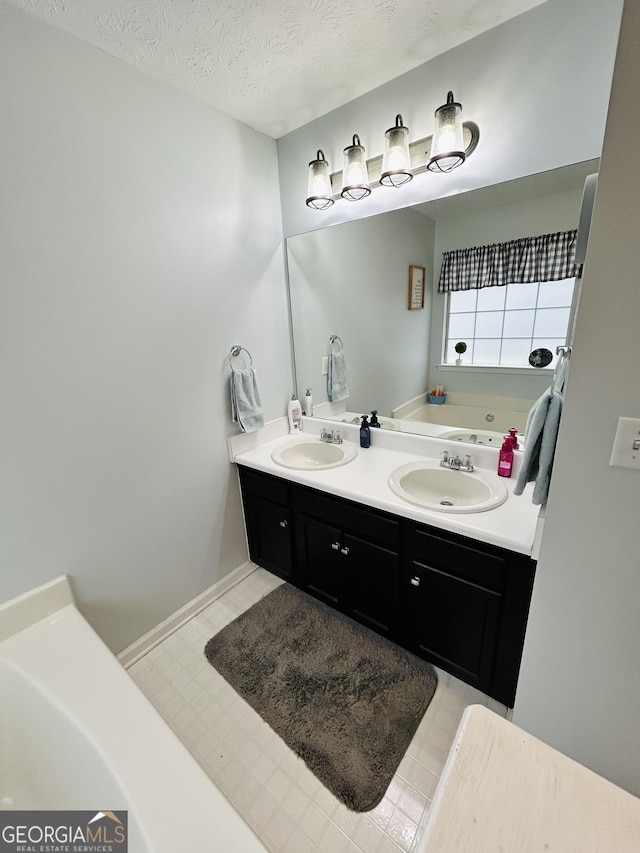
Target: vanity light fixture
(355, 178)
(452, 142)
(396, 160)
(319, 194)
(447, 148)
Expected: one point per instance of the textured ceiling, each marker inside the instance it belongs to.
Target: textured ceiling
(275, 64)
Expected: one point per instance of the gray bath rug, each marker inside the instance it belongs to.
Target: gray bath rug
(344, 699)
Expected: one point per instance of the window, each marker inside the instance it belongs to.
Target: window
(502, 325)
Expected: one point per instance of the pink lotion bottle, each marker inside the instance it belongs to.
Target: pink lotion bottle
(505, 465)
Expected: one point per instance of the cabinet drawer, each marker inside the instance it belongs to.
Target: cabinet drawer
(464, 561)
(264, 485)
(348, 516)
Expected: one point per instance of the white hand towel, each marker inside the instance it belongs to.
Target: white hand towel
(540, 435)
(337, 376)
(246, 406)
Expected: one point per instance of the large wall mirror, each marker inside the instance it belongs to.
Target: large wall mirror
(352, 280)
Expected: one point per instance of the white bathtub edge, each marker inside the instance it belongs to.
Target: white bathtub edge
(24, 610)
(176, 805)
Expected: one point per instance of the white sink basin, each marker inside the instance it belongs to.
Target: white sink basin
(429, 486)
(314, 455)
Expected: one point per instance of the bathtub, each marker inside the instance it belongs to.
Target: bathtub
(477, 413)
(77, 733)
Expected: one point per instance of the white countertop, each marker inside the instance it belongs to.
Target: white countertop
(365, 480)
(503, 789)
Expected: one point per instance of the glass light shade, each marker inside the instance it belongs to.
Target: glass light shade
(319, 194)
(396, 161)
(355, 178)
(447, 145)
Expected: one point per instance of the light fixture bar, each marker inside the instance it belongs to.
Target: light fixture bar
(419, 152)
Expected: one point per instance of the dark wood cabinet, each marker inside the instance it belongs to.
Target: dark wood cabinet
(321, 566)
(349, 556)
(267, 515)
(467, 604)
(453, 623)
(459, 603)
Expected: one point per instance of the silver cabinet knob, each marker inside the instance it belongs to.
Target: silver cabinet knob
(283, 524)
(335, 546)
(344, 551)
(415, 581)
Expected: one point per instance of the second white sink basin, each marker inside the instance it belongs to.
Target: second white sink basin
(429, 486)
(313, 454)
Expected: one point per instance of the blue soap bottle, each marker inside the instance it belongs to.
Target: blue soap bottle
(365, 433)
(374, 422)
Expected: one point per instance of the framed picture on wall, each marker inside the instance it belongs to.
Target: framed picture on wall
(416, 287)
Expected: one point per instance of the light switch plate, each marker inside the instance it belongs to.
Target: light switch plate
(624, 453)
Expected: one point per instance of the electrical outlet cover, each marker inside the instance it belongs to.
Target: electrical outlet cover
(624, 453)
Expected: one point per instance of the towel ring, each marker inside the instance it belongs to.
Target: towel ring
(335, 338)
(564, 354)
(236, 349)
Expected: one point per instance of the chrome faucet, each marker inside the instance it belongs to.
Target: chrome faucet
(331, 437)
(455, 463)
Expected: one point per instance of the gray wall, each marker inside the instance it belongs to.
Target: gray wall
(580, 679)
(133, 257)
(537, 86)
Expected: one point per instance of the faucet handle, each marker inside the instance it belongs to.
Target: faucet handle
(444, 456)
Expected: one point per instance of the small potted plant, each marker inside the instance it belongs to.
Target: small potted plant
(460, 348)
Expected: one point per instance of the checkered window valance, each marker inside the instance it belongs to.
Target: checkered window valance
(549, 257)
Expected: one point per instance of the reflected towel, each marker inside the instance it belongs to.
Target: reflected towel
(246, 406)
(540, 436)
(337, 376)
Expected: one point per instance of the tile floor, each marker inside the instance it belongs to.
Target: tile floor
(284, 803)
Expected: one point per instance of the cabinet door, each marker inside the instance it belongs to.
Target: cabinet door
(454, 624)
(269, 529)
(373, 581)
(322, 565)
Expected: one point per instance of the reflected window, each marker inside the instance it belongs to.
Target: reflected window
(502, 325)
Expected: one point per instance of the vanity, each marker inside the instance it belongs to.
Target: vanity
(452, 586)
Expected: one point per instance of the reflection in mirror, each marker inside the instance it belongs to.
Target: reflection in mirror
(353, 280)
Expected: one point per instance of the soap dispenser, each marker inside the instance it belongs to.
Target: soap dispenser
(365, 433)
(374, 422)
(505, 464)
(513, 433)
(308, 403)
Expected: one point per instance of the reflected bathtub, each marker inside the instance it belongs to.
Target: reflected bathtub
(490, 418)
(77, 733)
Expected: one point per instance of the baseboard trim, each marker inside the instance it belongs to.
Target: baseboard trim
(127, 657)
